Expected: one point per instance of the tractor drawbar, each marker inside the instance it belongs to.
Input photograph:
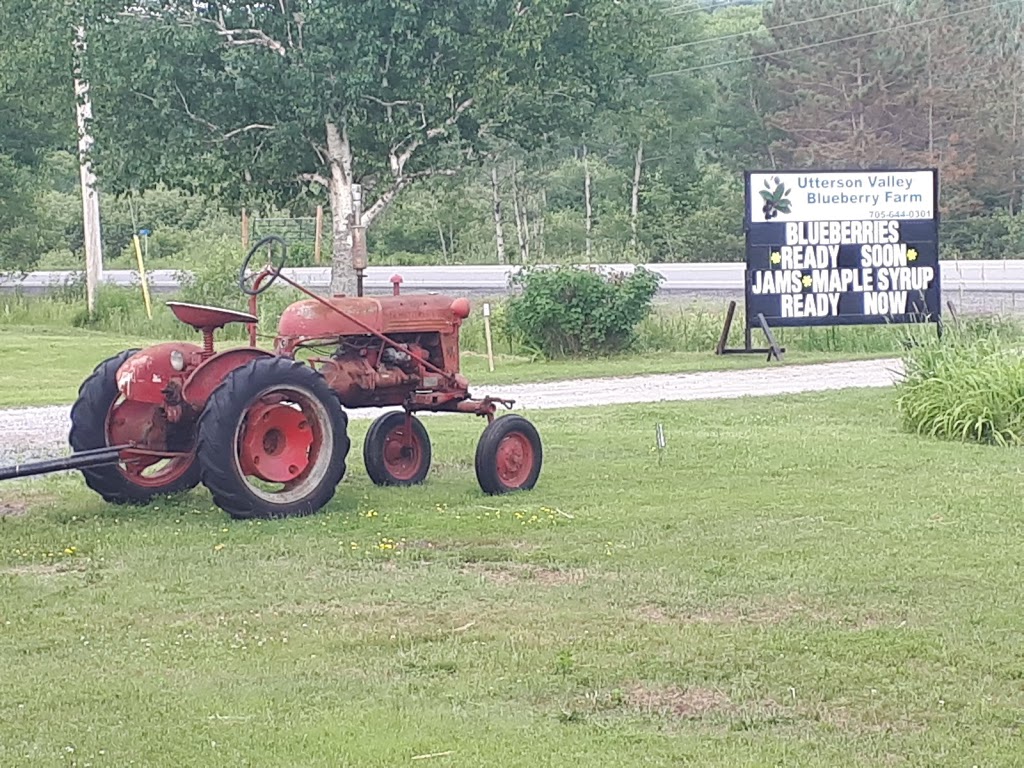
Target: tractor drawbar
(94, 458)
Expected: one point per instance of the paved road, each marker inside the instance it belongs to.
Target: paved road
(30, 434)
(1004, 276)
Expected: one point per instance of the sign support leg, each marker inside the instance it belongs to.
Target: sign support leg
(774, 349)
(723, 339)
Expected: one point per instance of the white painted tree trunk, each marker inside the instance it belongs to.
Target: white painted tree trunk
(499, 235)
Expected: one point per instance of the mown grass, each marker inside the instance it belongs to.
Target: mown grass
(795, 581)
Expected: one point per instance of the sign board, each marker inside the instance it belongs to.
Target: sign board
(842, 247)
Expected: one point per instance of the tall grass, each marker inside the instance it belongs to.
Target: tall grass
(967, 387)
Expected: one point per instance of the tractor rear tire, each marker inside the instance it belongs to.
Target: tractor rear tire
(89, 431)
(388, 463)
(509, 456)
(304, 450)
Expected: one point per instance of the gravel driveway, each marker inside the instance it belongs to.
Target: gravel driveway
(30, 434)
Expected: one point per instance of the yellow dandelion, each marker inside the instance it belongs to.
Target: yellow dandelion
(912, 254)
(776, 257)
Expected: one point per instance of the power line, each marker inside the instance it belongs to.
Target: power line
(686, 10)
(779, 26)
(831, 42)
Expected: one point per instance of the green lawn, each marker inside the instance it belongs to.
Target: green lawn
(44, 366)
(794, 582)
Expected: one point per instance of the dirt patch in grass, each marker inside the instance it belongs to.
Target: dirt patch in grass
(13, 508)
(673, 701)
(856, 722)
(42, 569)
(504, 574)
(478, 548)
(15, 504)
(770, 610)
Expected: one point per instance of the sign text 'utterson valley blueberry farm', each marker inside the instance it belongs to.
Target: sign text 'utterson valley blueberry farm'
(842, 248)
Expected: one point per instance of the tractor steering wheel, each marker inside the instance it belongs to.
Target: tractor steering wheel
(273, 270)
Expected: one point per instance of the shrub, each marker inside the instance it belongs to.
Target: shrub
(969, 387)
(575, 311)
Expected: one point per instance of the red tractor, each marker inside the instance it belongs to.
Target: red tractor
(267, 433)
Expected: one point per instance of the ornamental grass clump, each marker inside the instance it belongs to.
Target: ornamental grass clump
(965, 387)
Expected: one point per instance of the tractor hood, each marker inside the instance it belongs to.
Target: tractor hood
(366, 314)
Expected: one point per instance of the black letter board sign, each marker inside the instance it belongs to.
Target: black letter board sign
(842, 247)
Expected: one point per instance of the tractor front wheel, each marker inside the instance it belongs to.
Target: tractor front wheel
(397, 452)
(508, 456)
(272, 441)
(102, 417)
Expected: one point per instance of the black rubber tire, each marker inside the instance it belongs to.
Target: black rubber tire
(218, 456)
(88, 431)
(487, 450)
(373, 449)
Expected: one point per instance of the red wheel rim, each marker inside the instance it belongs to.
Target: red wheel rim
(514, 459)
(131, 421)
(279, 444)
(275, 445)
(403, 454)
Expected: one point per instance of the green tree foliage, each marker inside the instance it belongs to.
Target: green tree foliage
(268, 101)
(31, 121)
(576, 311)
(671, 100)
(920, 90)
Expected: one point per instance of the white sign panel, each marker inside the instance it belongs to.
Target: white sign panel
(841, 196)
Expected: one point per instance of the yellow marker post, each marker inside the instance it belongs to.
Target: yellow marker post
(142, 274)
(487, 335)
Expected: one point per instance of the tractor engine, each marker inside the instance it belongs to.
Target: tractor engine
(363, 368)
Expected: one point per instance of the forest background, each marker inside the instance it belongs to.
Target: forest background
(656, 175)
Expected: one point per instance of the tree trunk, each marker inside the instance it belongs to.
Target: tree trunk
(520, 214)
(444, 245)
(539, 233)
(634, 208)
(1012, 206)
(343, 274)
(498, 234)
(339, 192)
(586, 196)
(931, 101)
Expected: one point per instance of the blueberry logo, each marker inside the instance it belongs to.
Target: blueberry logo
(775, 202)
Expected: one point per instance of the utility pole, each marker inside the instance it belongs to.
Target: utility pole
(358, 229)
(90, 200)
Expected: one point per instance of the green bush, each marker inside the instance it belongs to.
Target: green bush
(570, 311)
(968, 386)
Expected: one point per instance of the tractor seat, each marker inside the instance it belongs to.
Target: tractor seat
(200, 316)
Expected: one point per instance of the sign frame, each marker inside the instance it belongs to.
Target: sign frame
(922, 305)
